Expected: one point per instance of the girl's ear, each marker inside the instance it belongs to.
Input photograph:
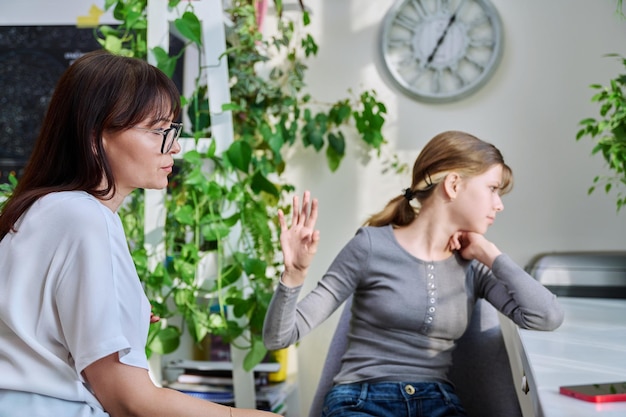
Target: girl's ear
(451, 185)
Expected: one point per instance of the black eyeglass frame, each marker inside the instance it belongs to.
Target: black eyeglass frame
(176, 127)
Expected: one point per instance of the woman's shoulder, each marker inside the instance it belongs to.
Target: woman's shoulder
(71, 202)
(63, 197)
(73, 208)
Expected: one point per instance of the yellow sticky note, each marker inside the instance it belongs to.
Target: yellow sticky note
(92, 19)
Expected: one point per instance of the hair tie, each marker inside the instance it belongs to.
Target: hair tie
(408, 194)
(427, 180)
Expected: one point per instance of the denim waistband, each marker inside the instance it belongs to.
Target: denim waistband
(407, 390)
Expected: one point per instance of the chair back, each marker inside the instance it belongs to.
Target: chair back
(581, 274)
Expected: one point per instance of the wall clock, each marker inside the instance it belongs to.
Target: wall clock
(441, 50)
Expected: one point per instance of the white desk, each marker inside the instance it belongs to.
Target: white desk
(589, 347)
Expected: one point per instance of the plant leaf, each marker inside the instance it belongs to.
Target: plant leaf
(255, 355)
(239, 154)
(190, 27)
(166, 340)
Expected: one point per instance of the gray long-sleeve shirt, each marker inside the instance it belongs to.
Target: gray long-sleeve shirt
(407, 313)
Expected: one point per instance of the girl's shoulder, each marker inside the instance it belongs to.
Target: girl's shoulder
(377, 231)
(373, 237)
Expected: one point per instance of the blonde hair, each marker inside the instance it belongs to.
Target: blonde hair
(450, 151)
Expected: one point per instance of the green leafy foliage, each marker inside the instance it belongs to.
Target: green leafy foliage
(609, 133)
(6, 189)
(226, 204)
(128, 38)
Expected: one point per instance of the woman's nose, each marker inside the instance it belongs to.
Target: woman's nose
(176, 148)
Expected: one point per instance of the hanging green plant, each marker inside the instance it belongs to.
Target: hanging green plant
(609, 133)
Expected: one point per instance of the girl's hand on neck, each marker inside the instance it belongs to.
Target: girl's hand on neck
(472, 245)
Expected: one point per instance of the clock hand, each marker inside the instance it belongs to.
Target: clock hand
(445, 32)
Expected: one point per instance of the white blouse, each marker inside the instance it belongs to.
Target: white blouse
(69, 296)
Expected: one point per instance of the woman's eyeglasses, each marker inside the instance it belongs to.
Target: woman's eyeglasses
(170, 135)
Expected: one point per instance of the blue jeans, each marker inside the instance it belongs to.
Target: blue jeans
(393, 399)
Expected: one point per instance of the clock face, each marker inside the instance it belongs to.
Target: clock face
(441, 50)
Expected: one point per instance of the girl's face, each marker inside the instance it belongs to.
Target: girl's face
(135, 156)
(478, 200)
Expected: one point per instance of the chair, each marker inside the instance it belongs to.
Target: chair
(600, 274)
(480, 372)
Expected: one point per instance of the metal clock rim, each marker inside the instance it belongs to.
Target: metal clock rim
(468, 90)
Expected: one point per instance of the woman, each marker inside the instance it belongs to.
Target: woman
(416, 273)
(73, 315)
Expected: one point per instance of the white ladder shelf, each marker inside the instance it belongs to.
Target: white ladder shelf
(211, 14)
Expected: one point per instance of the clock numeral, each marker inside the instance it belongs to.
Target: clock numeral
(455, 73)
(477, 64)
(442, 6)
(483, 20)
(426, 10)
(406, 22)
(408, 61)
(399, 43)
(481, 43)
(415, 79)
(447, 6)
(436, 83)
(419, 8)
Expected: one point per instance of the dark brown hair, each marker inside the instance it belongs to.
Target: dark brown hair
(451, 151)
(99, 92)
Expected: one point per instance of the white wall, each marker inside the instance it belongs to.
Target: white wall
(46, 12)
(530, 110)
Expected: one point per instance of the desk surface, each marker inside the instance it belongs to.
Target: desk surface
(589, 347)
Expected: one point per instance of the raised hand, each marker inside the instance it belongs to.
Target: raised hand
(298, 242)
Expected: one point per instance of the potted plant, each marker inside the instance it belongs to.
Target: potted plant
(226, 203)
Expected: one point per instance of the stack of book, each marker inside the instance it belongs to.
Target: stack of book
(213, 381)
